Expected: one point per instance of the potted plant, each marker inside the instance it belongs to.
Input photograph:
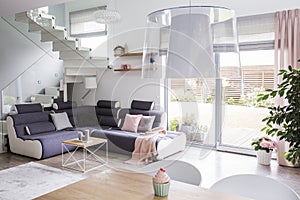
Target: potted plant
(188, 125)
(264, 147)
(283, 121)
(174, 124)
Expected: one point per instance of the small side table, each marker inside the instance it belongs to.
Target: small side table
(89, 154)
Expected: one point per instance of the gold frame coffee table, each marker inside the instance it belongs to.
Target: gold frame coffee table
(87, 153)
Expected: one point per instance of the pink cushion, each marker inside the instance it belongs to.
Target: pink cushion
(131, 122)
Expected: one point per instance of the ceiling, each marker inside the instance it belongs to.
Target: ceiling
(10, 7)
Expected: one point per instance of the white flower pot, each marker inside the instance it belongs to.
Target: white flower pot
(263, 157)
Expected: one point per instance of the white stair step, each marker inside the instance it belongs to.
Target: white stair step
(61, 28)
(47, 36)
(41, 98)
(73, 79)
(47, 21)
(68, 38)
(80, 71)
(58, 30)
(83, 49)
(22, 17)
(52, 91)
(33, 26)
(46, 16)
(74, 55)
(64, 45)
(98, 58)
(90, 63)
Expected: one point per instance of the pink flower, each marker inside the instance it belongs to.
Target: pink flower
(268, 144)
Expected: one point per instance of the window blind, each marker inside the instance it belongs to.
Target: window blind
(255, 32)
(83, 24)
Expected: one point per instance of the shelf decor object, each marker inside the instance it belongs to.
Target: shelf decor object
(190, 42)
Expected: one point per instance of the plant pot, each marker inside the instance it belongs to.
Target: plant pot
(283, 146)
(263, 157)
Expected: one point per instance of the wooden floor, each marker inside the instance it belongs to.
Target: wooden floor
(212, 164)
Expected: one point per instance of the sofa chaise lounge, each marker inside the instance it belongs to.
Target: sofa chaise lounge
(104, 120)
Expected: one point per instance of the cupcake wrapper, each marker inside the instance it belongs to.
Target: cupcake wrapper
(161, 189)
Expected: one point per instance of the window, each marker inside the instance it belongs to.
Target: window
(83, 24)
(240, 115)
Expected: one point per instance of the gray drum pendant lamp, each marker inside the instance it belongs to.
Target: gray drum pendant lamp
(190, 42)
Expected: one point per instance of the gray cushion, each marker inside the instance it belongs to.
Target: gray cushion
(109, 121)
(29, 118)
(146, 123)
(108, 104)
(142, 105)
(39, 127)
(28, 108)
(61, 120)
(108, 112)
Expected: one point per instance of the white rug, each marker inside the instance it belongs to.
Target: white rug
(31, 180)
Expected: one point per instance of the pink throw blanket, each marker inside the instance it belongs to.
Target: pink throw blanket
(145, 148)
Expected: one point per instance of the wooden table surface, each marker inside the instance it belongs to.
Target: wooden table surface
(92, 141)
(114, 185)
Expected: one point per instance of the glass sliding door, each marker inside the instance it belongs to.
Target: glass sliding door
(242, 117)
(191, 109)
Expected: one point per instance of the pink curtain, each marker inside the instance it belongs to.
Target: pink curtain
(287, 52)
(287, 40)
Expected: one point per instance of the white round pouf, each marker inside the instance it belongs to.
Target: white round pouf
(263, 157)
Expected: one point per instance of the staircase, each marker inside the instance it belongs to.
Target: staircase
(50, 95)
(78, 62)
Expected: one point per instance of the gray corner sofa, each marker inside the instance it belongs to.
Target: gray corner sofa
(104, 120)
(44, 140)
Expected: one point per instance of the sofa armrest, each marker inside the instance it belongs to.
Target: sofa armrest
(31, 148)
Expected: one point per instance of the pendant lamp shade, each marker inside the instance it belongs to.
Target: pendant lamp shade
(187, 42)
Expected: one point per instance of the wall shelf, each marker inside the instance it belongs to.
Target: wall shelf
(129, 54)
(126, 70)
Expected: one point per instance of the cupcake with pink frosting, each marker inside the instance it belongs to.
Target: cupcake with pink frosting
(161, 183)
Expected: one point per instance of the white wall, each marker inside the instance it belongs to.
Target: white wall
(131, 29)
(22, 52)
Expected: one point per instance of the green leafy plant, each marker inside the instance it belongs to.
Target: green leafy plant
(174, 123)
(283, 121)
(230, 101)
(251, 99)
(209, 99)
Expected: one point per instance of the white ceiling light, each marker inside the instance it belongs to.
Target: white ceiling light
(107, 16)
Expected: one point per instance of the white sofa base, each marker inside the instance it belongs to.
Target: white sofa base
(166, 148)
(31, 148)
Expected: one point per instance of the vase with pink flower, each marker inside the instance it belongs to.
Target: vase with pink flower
(264, 147)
